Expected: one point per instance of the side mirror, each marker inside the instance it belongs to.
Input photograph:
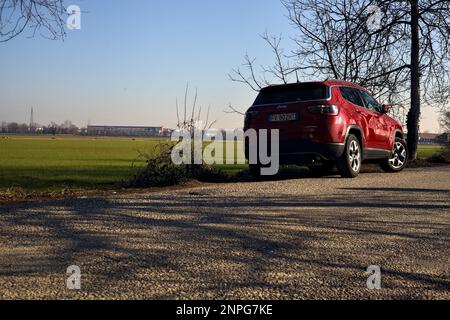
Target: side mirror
(385, 108)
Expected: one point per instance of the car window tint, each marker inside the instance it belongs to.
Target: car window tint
(292, 93)
(370, 102)
(352, 95)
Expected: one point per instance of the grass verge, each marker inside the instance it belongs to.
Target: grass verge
(35, 166)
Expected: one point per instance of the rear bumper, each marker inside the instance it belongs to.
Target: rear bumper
(305, 152)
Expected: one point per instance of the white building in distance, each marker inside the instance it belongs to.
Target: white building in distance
(125, 131)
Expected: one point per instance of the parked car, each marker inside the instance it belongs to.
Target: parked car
(326, 124)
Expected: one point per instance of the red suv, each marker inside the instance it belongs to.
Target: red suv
(328, 123)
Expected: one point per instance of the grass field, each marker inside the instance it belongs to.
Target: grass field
(44, 164)
(425, 152)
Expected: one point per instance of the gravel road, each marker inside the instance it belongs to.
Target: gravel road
(288, 239)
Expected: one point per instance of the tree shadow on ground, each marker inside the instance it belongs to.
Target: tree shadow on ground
(213, 244)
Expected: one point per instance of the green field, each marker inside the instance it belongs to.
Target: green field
(46, 164)
(425, 152)
(43, 164)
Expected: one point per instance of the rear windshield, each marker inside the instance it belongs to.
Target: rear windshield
(297, 93)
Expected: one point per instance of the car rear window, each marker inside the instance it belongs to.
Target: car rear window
(297, 93)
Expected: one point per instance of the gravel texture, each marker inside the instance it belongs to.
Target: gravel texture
(287, 239)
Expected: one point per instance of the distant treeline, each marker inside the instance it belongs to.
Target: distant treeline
(67, 127)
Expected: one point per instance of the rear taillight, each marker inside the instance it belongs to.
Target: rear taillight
(328, 109)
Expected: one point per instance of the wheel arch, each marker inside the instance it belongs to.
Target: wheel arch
(398, 134)
(356, 131)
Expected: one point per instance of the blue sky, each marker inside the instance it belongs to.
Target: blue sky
(132, 59)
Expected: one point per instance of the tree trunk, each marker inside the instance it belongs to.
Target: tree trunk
(414, 112)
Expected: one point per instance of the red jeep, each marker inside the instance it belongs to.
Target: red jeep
(328, 123)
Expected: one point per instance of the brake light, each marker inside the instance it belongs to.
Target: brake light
(328, 109)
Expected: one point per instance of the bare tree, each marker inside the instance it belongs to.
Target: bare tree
(18, 16)
(13, 127)
(192, 116)
(281, 71)
(403, 59)
(191, 121)
(445, 122)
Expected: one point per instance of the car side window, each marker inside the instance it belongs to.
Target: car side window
(370, 102)
(352, 95)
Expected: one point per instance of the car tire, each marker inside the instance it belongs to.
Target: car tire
(398, 159)
(349, 164)
(323, 169)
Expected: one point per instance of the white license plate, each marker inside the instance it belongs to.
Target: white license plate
(281, 117)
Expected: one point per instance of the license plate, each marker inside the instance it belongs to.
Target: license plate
(281, 117)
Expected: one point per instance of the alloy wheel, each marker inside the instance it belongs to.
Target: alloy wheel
(398, 157)
(354, 156)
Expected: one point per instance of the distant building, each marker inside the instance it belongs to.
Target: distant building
(167, 132)
(124, 131)
(433, 138)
